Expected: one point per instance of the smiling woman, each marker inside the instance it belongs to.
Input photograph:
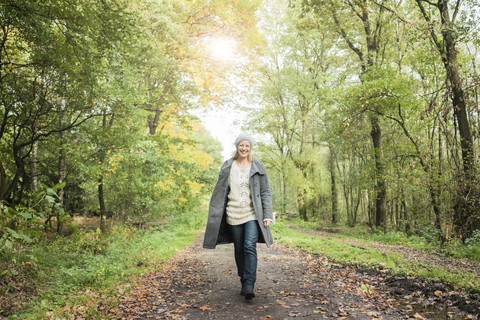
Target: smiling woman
(222, 48)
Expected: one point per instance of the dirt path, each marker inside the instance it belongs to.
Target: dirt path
(422, 256)
(202, 284)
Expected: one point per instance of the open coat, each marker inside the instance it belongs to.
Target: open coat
(217, 229)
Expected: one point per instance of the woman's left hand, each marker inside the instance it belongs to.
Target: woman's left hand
(266, 223)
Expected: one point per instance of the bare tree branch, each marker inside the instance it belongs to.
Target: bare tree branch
(429, 21)
(455, 13)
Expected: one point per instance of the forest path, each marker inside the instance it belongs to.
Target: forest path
(418, 255)
(202, 284)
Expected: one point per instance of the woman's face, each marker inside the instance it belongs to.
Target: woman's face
(243, 149)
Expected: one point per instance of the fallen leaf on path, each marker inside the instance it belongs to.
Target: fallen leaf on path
(205, 308)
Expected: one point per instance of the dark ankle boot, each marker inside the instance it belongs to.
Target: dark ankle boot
(249, 294)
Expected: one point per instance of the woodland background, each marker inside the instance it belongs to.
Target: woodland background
(366, 113)
(372, 107)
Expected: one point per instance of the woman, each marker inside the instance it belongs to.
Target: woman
(241, 211)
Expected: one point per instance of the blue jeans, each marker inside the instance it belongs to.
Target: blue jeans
(245, 238)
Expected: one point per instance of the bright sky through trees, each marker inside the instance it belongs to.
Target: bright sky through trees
(224, 122)
(222, 48)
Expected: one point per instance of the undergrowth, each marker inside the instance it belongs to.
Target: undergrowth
(75, 272)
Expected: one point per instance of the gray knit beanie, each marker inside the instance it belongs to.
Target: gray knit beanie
(244, 136)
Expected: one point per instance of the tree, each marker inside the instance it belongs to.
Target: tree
(445, 22)
(48, 54)
(293, 91)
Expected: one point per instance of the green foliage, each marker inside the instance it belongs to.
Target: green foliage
(474, 240)
(22, 226)
(68, 268)
(54, 71)
(470, 249)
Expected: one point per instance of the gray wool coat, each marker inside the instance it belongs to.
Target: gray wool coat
(217, 229)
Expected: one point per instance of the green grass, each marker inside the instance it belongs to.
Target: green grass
(454, 247)
(346, 253)
(88, 266)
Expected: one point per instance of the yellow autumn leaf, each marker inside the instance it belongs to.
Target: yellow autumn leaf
(190, 154)
(165, 184)
(194, 186)
(181, 200)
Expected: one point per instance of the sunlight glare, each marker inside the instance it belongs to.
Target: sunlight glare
(222, 49)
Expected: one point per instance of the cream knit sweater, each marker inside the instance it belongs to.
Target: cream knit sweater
(239, 206)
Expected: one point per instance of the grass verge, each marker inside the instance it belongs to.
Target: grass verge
(84, 273)
(346, 253)
(426, 241)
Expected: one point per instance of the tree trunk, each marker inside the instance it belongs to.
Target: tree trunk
(355, 209)
(101, 156)
(3, 182)
(15, 190)
(331, 162)
(302, 204)
(62, 170)
(153, 121)
(380, 188)
(284, 192)
(101, 201)
(34, 167)
(458, 95)
(86, 203)
(302, 210)
(370, 209)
